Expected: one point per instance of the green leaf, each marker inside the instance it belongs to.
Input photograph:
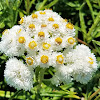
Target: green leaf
(66, 86)
(97, 35)
(40, 5)
(71, 4)
(1, 7)
(21, 14)
(51, 4)
(2, 25)
(96, 42)
(72, 96)
(5, 93)
(91, 9)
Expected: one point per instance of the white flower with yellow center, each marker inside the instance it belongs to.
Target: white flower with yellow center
(58, 59)
(31, 61)
(41, 36)
(9, 44)
(44, 59)
(69, 28)
(18, 74)
(57, 43)
(21, 40)
(55, 28)
(31, 46)
(70, 41)
(46, 46)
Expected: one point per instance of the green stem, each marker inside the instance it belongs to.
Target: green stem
(94, 94)
(97, 49)
(15, 94)
(97, 20)
(7, 3)
(51, 4)
(97, 98)
(90, 7)
(41, 7)
(40, 78)
(28, 9)
(82, 21)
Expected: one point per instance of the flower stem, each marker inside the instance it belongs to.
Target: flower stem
(28, 8)
(15, 94)
(94, 94)
(40, 78)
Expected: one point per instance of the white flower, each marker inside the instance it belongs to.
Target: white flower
(63, 74)
(83, 63)
(57, 42)
(69, 41)
(44, 59)
(69, 28)
(47, 40)
(10, 41)
(83, 78)
(18, 75)
(31, 46)
(41, 36)
(31, 61)
(58, 59)
(55, 80)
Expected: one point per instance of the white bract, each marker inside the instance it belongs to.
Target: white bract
(18, 74)
(45, 39)
(83, 63)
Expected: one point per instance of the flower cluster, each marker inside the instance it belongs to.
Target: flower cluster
(46, 39)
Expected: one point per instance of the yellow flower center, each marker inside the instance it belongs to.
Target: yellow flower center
(44, 59)
(71, 40)
(5, 31)
(18, 31)
(21, 21)
(41, 34)
(65, 20)
(34, 16)
(46, 46)
(48, 8)
(60, 59)
(29, 61)
(43, 25)
(55, 26)
(31, 26)
(69, 25)
(58, 40)
(91, 60)
(42, 13)
(50, 19)
(21, 40)
(32, 45)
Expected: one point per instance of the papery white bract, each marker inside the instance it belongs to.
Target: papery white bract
(18, 74)
(83, 63)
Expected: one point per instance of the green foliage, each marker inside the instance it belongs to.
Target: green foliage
(85, 15)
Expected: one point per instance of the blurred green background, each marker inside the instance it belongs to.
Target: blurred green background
(85, 15)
